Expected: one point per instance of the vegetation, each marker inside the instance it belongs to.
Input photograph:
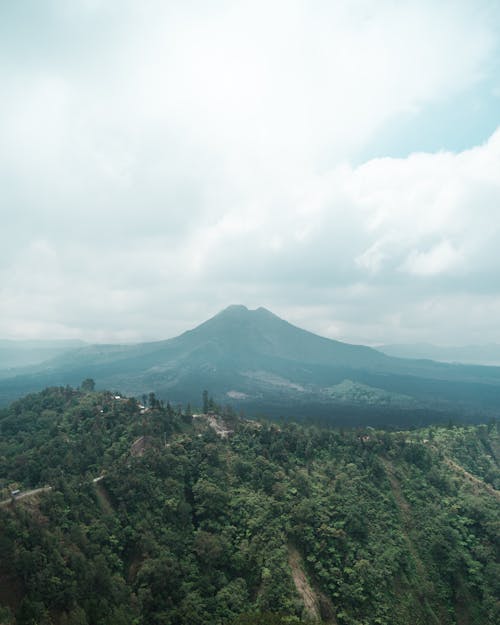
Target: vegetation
(159, 517)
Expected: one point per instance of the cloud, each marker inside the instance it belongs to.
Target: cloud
(439, 259)
(374, 248)
(162, 159)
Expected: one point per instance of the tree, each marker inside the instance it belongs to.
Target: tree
(88, 385)
(153, 402)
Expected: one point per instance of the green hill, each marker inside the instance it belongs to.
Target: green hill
(157, 517)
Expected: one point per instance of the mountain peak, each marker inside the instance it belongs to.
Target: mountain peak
(234, 308)
(238, 310)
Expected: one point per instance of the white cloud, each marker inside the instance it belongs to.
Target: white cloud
(350, 243)
(439, 259)
(185, 156)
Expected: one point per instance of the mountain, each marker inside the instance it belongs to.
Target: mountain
(126, 516)
(23, 353)
(488, 354)
(265, 365)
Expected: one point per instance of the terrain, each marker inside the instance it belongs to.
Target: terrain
(138, 515)
(264, 365)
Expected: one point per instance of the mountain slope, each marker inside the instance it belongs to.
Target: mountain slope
(264, 364)
(154, 519)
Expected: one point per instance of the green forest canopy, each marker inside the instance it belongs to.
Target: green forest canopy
(270, 524)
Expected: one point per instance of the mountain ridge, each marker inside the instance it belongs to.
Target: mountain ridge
(487, 354)
(269, 365)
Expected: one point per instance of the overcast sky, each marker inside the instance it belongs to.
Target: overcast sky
(337, 162)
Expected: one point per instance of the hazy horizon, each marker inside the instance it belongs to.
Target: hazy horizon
(76, 342)
(336, 163)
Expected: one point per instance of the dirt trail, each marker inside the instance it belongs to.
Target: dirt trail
(310, 598)
(409, 534)
(472, 478)
(302, 584)
(405, 510)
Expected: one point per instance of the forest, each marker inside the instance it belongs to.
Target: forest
(148, 514)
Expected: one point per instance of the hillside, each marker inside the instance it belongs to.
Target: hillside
(155, 517)
(265, 365)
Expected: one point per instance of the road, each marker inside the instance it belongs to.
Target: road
(26, 493)
(37, 491)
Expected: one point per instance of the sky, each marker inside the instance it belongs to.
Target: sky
(337, 162)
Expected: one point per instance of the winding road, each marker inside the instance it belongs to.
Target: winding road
(24, 494)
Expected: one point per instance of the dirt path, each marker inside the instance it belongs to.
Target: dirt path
(406, 516)
(472, 478)
(302, 584)
(310, 598)
(408, 526)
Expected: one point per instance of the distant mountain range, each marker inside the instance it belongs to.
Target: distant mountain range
(469, 354)
(32, 352)
(264, 365)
